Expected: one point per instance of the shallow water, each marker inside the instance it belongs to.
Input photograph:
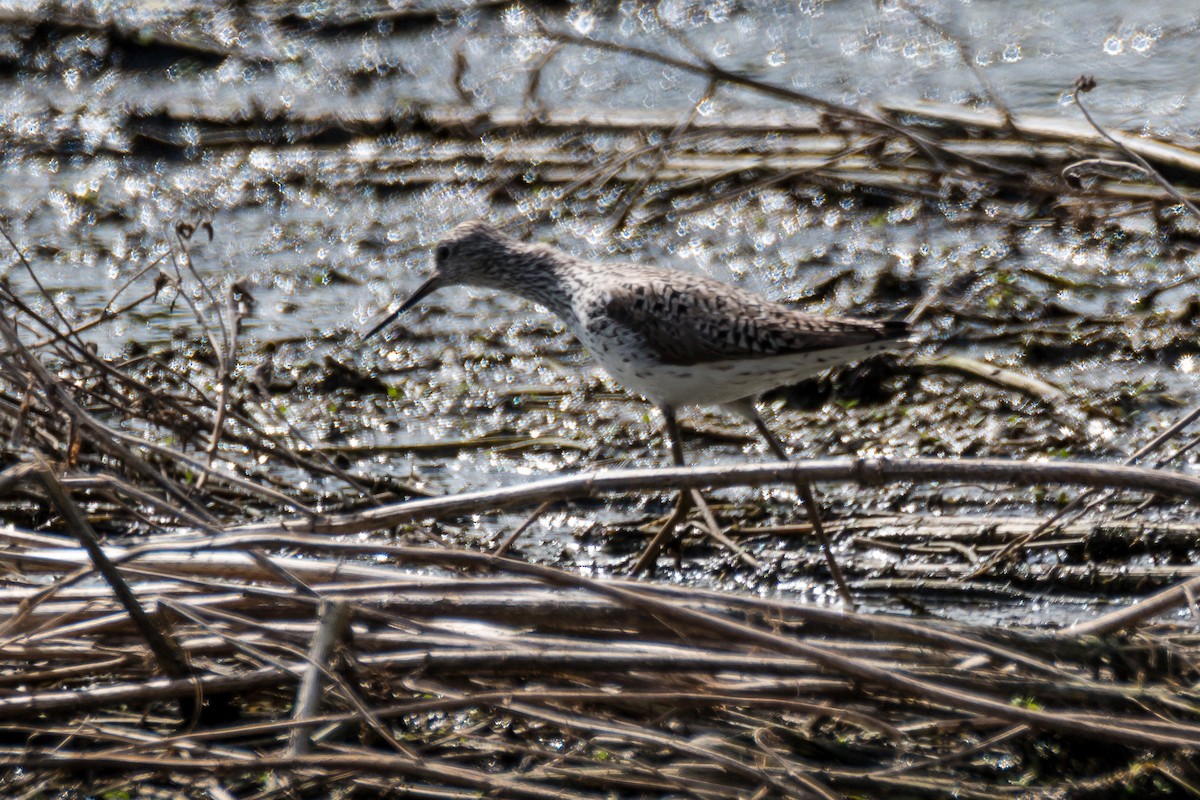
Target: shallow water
(328, 233)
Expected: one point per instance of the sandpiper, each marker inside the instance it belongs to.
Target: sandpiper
(674, 337)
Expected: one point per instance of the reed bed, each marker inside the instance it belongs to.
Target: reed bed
(439, 671)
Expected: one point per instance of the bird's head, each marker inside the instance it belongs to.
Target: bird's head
(472, 254)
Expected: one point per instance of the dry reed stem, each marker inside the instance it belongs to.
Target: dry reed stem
(860, 471)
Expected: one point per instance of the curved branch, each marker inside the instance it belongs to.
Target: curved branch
(862, 471)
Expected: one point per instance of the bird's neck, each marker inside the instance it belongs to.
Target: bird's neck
(540, 274)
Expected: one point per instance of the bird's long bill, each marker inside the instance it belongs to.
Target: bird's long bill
(426, 288)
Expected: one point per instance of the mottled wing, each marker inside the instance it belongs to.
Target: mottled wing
(686, 320)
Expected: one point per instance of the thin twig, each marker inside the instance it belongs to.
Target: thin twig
(1085, 84)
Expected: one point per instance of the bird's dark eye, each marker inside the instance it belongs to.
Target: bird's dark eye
(441, 253)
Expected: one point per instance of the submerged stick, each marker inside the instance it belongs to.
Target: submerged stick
(1029, 385)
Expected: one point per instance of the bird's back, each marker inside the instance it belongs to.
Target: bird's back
(687, 319)
(681, 339)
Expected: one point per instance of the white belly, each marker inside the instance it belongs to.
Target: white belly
(718, 382)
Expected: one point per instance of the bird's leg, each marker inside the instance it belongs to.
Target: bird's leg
(746, 409)
(682, 505)
(687, 499)
(671, 423)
